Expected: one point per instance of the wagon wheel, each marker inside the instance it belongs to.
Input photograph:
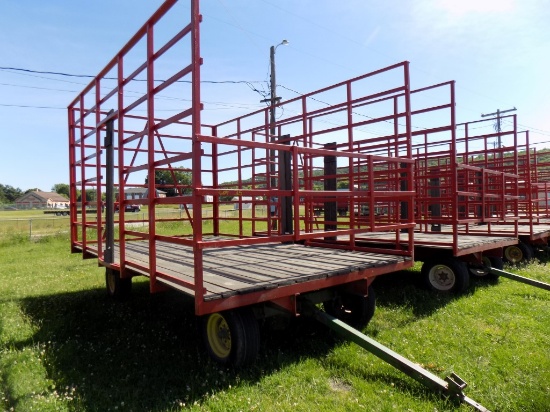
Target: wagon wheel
(117, 287)
(232, 337)
(355, 310)
(520, 253)
(482, 271)
(446, 275)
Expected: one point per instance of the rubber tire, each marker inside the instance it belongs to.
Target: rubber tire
(232, 337)
(117, 287)
(482, 272)
(520, 253)
(459, 279)
(355, 310)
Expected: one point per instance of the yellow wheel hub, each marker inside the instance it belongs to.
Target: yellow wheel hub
(219, 336)
(513, 254)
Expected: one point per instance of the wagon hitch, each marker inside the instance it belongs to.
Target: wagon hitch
(532, 282)
(452, 386)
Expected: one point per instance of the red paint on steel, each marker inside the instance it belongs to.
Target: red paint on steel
(238, 159)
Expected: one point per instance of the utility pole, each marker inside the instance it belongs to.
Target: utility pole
(497, 125)
(273, 100)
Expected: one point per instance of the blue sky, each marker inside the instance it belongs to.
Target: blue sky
(497, 51)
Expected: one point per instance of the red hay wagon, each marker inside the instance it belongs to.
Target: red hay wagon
(250, 262)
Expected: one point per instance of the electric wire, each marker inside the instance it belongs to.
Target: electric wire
(126, 94)
(250, 84)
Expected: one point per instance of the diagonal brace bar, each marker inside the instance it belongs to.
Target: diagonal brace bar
(452, 386)
(532, 282)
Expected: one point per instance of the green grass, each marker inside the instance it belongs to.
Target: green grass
(64, 346)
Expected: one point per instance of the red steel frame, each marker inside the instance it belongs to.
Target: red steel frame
(245, 152)
(541, 182)
(451, 192)
(509, 151)
(376, 177)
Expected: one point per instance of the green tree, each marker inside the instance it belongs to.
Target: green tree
(343, 184)
(8, 194)
(62, 189)
(173, 182)
(90, 195)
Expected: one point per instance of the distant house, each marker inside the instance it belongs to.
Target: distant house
(205, 199)
(41, 200)
(246, 202)
(140, 193)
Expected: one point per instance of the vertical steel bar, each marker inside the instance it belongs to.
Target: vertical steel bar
(215, 183)
(351, 160)
(240, 178)
(529, 184)
(83, 174)
(454, 166)
(296, 192)
(196, 149)
(73, 218)
(108, 254)
(254, 183)
(152, 192)
(122, 178)
(408, 117)
(98, 221)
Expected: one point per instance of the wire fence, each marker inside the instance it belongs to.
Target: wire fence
(34, 227)
(51, 225)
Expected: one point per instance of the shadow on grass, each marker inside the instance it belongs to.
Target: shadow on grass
(146, 353)
(405, 288)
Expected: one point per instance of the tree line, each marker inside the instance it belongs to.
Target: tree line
(174, 183)
(9, 194)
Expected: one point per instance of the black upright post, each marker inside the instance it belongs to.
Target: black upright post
(479, 209)
(285, 183)
(404, 212)
(330, 209)
(435, 206)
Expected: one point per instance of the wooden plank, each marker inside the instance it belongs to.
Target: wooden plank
(241, 269)
(439, 240)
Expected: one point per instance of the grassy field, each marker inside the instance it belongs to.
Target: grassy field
(64, 346)
(35, 223)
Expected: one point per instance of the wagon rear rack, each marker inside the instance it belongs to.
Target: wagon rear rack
(452, 386)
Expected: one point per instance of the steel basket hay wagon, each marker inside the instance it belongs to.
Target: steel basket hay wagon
(450, 195)
(508, 150)
(453, 196)
(227, 214)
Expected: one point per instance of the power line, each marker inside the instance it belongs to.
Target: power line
(32, 107)
(30, 72)
(38, 88)
(88, 76)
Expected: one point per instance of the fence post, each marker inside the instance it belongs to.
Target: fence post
(30, 229)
